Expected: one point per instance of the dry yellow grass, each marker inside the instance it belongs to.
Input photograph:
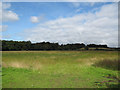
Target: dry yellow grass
(38, 59)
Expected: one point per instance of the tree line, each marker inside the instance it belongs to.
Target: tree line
(27, 45)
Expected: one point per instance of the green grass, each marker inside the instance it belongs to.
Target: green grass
(58, 69)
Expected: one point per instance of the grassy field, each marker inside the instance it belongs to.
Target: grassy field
(60, 69)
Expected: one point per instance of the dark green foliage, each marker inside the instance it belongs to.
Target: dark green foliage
(27, 45)
(97, 46)
(15, 45)
(86, 48)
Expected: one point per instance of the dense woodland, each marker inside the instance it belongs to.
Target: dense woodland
(27, 45)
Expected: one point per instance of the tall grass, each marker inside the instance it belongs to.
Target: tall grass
(41, 59)
(108, 64)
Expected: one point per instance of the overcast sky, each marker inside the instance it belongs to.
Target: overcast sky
(65, 22)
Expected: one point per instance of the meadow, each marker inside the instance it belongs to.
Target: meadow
(60, 69)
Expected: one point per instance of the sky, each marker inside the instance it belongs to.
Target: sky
(61, 22)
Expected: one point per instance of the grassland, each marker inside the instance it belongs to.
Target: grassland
(60, 69)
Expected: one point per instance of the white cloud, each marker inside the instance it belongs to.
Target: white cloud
(35, 19)
(0, 20)
(99, 28)
(77, 4)
(3, 27)
(61, 0)
(6, 5)
(7, 15)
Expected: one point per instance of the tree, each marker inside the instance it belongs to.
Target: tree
(86, 48)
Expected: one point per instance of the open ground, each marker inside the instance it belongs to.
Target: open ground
(60, 69)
